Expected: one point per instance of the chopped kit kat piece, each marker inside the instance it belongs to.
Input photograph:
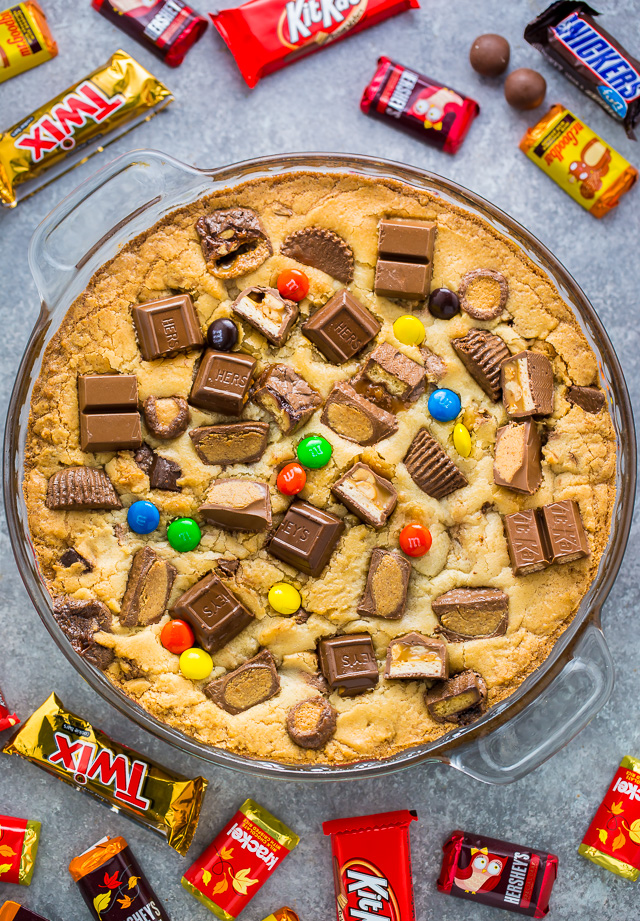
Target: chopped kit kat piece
(76, 488)
(236, 443)
(590, 399)
(471, 613)
(431, 469)
(250, 684)
(385, 594)
(401, 376)
(353, 417)
(458, 699)
(306, 537)
(148, 588)
(213, 611)
(311, 723)
(104, 393)
(565, 532)
(341, 328)
(233, 242)
(166, 417)
(286, 395)
(409, 280)
(238, 505)
(223, 381)
(167, 326)
(516, 463)
(268, 312)
(527, 385)
(527, 542)
(414, 656)
(164, 474)
(108, 412)
(405, 258)
(482, 354)
(483, 294)
(321, 249)
(110, 431)
(349, 663)
(367, 494)
(79, 620)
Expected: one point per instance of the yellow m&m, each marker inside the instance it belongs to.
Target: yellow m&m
(462, 439)
(284, 598)
(409, 330)
(196, 664)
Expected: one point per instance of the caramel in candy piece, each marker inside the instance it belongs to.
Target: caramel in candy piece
(311, 723)
(457, 700)
(213, 611)
(166, 417)
(76, 488)
(237, 443)
(590, 399)
(233, 242)
(527, 385)
(306, 537)
(483, 294)
(166, 326)
(482, 354)
(414, 656)
(268, 312)
(565, 532)
(401, 376)
(321, 249)
(348, 663)
(250, 684)
(367, 494)
(238, 505)
(148, 589)
(431, 469)
(79, 620)
(385, 594)
(353, 417)
(527, 542)
(471, 613)
(286, 395)
(516, 463)
(222, 382)
(341, 328)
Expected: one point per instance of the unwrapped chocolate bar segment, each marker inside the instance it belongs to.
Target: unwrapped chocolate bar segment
(349, 663)
(213, 611)
(238, 505)
(306, 537)
(471, 613)
(341, 328)
(168, 27)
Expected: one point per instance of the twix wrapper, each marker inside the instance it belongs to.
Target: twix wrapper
(579, 161)
(73, 750)
(613, 838)
(12, 911)
(7, 719)
(18, 849)
(25, 39)
(239, 861)
(121, 93)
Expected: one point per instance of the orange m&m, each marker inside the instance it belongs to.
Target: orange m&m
(291, 479)
(176, 636)
(415, 540)
(293, 284)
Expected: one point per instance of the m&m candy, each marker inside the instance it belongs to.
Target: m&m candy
(143, 517)
(222, 335)
(184, 534)
(443, 304)
(415, 540)
(444, 405)
(291, 479)
(462, 440)
(284, 598)
(293, 284)
(196, 664)
(409, 330)
(314, 451)
(176, 636)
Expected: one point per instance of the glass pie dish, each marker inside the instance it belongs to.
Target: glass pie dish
(127, 197)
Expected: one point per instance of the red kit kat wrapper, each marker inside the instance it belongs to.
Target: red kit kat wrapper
(266, 35)
(168, 27)
(436, 113)
(498, 873)
(7, 719)
(371, 857)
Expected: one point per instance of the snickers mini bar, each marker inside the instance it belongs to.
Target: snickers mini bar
(18, 848)
(371, 857)
(25, 39)
(121, 93)
(82, 756)
(612, 840)
(569, 37)
(437, 114)
(498, 873)
(13, 911)
(266, 35)
(7, 719)
(168, 27)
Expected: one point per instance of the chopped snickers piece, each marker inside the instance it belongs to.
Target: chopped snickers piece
(321, 249)
(527, 385)
(590, 399)
(526, 542)
(238, 505)
(402, 377)
(516, 462)
(405, 258)
(306, 537)
(213, 611)
(471, 613)
(233, 242)
(353, 417)
(349, 663)
(565, 532)
(148, 588)
(108, 411)
(76, 488)
(457, 700)
(311, 723)
(166, 417)
(223, 381)
(250, 684)
(237, 443)
(285, 395)
(482, 354)
(167, 326)
(483, 294)
(367, 494)
(268, 312)
(341, 328)
(164, 474)
(385, 594)
(71, 556)
(79, 620)
(434, 367)
(414, 656)
(144, 458)
(431, 469)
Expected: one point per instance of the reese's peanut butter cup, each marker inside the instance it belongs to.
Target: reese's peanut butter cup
(25, 39)
(18, 849)
(612, 840)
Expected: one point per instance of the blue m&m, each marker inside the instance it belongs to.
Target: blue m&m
(143, 517)
(444, 405)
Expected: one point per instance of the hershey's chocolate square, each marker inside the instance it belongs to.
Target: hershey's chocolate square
(238, 505)
(107, 393)
(414, 656)
(385, 594)
(349, 663)
(223, 381)
(527, 542)
(341, 328)
(110, 431)
(306, 537)
(367, 494)
(565, 531)
(166, 326)
(213, 611)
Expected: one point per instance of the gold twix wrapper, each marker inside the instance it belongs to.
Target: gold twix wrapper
(70, 748)
(120, 93)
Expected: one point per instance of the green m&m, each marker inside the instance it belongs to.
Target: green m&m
(184, 534)
(314, 451)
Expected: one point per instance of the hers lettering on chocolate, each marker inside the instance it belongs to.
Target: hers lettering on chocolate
(301, 19)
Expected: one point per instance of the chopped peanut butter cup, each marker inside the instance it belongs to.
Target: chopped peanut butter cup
(250, 684)
(311, 723)
(321, 249)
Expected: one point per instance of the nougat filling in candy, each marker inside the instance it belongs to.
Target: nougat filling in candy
(417, 656)
(527, 385)
(268, 312)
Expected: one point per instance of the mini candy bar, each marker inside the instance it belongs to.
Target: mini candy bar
(237, 443)
(306, 537)
(118, 93)
(367, 494)
(25, 39)
(401, 376)
(266, 35)
(84, 757)
(341, 328)
(148, 588)
(371, 857)
(414, 656)
(223, 381)
(12, 911)
(565, 532)
(579, 161)
(458, 699)
(498, 873)
(516, 462)
(286, 396)
(612, 840)
(108, 408)
(168, 27)
(251, 683)
(239, 861)
(321, 249)
(471, 613)
(283, 914)
(527, 385)
(405, 258)
(268, 312)
(7, 719)
(569, 37)
(355, 418)
(213, 611)
(109, 877)
(482, 354)
(348, 663)
(385, 593)
(18, 849)
(436, 113)
(238, 505)
(431, 469)
(167, 326)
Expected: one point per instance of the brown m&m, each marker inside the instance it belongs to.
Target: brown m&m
(214, 613)
(489, 54)
(341, 328)
(306, 537)
(222, 382)
(348, 663)
(166, 326)
(108, 410)
(525, 88)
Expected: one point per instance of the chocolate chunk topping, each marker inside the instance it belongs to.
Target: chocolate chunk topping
(590, 399)
(458, 700)
(268, 312)
(516, 463)
(306, 537)
(527, 385)
(408, 280)
(104, 393)
(482, 354)
(385, 594)
(527, 542)
(71, 556)
(79, 620)
(223, 381)
(110, 431)
(213, 611)
(311, 723)
(431, 469)
(164, 474)
(166, 417)
(355, 418)
(483, 294)
(285, 395)
(402, 377)
(405, 258)
(367, 494)
(228, 568)
(415, 656)
(167, 326)
(348, 663)
(471, 613)
(108, 412)
(144, 458)
(238, 505)
(321, 249)
(148, 589)
(252, 683)
(565, 532)
(233, 242)
(76, 488)
(341, 328)
(238, 443)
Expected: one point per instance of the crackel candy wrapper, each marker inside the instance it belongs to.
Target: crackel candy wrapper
(371, 857)
(25, 39)
(12, 911)
(613, 838)
(71, 749)
(120, 93)
(18, 849)
(239, 861)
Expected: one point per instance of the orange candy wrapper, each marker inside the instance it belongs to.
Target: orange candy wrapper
(25, 39)
(18, 848)
(283, 914)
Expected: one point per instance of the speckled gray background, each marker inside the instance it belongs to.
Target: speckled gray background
(313, 105)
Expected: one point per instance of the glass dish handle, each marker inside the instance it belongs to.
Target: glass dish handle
(543, 727)
(115, 197)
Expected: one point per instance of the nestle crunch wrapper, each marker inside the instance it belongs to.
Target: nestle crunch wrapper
(613, 839)
(25, 39)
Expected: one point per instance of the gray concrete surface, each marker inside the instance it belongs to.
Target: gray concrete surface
(313, 105)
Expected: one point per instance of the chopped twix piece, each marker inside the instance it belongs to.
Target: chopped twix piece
(321, 249)
(306, 537)
(213, 611)
(527, 385)
(238, 505)
(367, 494)
(286, 395)
(414, 656)
(79, 620)
(471, 613)
(405, 258)
(565, 532)
(527, 542)
(516, 462)
(458, 699)
(148, 588)
(590, 399)
(233, 242)
(268, 312)
(349, 663)
(482, 354)
(341, 328)
(385, 594)
(250, 684)
(223, 381)
(76, 488)
(236, 443)
(431, 469)
(355, 418)
(401, 376)
(166, 417)
(311, 722)
(167, 326)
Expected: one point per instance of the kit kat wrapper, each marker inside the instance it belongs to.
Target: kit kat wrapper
(18, 849)
(84, 757)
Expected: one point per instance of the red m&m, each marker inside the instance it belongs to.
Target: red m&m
(293, 284)
(415, 540)
(176, 636)
(291, 479)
